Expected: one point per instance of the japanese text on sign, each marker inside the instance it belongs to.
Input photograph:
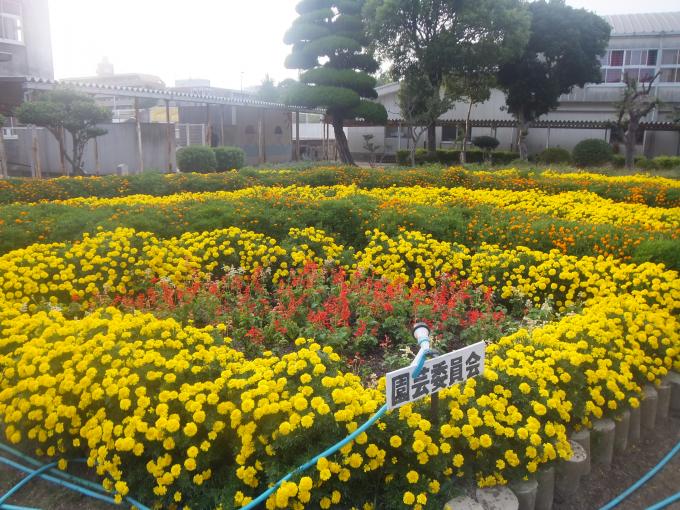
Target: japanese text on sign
(437, 373)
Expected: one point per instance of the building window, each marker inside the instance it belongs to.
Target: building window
(278, 130)
(393, 132)
(639, 64)
(670, 66)
(449, 133)
(11, 29)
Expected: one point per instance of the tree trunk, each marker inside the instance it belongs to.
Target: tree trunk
(463, 153)
(432, 138)
(629, 138)
(522, 132)
(77, 157)
(341, 142)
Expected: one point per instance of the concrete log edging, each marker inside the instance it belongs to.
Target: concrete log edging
(673, 378)
(568, 473)
(497, 498)
(664, 401)
(634, 428)
(526, 492)
(648, 407)
(546, 488)
(622, 432)
(463, 503)
(602, 444)
(583, 438)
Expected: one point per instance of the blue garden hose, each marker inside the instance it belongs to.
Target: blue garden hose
(25, 480)
(76, 486)
(263, 497)
(665, 502)
(616, 501)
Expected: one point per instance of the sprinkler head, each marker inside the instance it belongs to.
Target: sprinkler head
(420, 331)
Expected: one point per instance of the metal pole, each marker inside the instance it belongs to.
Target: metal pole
(169, 133)
(4, 173)
(222, 125)
(138, 126)
(260, 152)
(208, 131)
(97, 168)
(297, 135)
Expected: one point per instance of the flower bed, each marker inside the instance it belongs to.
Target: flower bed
(195, 368)
(639, 189)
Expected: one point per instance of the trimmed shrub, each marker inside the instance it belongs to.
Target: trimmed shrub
(618, 160)
(229, 158)
(666, 162)
(592, 152)
(196, 159)
(503, 157)
(644, 163)
(486, 143)
(553, 155)
(659, 250)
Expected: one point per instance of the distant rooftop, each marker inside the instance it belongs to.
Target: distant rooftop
(646, 23)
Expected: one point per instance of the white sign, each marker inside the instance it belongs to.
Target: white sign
(437, 373)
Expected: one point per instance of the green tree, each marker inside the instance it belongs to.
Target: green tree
(436, 38)
(332, 32)
(67, 110)
(417, 102)
(563, 50)
(268, 90)
(636, 103)
(474, 88)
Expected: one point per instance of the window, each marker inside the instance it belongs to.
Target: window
(449, 133)
(11, 29)
(616, 58)
(670, 57)
(393, 132)
(278, 130)
(670, 66)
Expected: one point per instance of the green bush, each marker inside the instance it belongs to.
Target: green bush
(666, 162)
(644, 163)
(553, 155)
(196, 159)
(503, 157)
(229, 158)
(592, 152)
(659, 250)
(618, 160)
(485, 143)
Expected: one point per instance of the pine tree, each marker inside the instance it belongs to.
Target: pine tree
(329, 44)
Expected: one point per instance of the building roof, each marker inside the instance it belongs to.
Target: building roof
(644, 23)
(24, 83)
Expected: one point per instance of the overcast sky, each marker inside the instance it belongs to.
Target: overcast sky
(220, 40)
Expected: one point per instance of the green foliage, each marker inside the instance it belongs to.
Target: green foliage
(362, 83)
(229, 158)
(333, 31)
(618, 160)
(563, 49)
(486, 143)
(452, 157)
(553, 155)
(592, 152)
(196, 159)
(67, 109)
(370, 112)
(2, 120)
(644, 163)
(659, 250)
(666, 162)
